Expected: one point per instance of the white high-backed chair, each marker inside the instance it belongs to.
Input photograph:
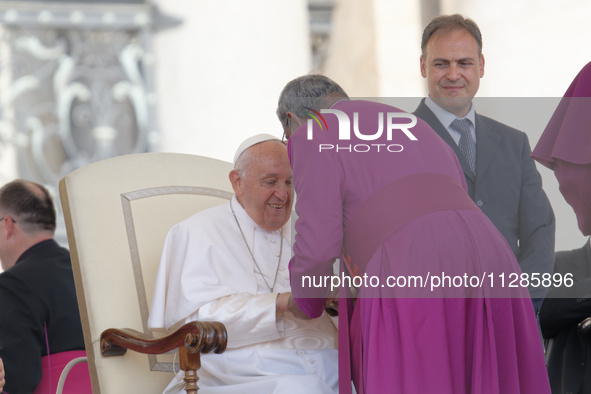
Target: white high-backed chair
(117, 213)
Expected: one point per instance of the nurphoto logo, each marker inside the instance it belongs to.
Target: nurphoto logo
(389, 119)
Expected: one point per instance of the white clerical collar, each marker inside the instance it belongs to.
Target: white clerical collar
(446, 117)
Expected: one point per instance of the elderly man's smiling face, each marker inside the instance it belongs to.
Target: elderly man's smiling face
(263, 185)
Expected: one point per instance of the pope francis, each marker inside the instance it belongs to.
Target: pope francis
(230, 264)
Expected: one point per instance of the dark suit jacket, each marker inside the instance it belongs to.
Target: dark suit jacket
(37, 294)
(569, 356)
(508, 189)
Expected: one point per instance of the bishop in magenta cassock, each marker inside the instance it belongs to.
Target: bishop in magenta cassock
(398, 207)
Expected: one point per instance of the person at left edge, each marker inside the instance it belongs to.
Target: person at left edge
(2, 381)
(40, 328)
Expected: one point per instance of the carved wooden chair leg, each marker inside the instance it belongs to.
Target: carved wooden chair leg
(190, 363)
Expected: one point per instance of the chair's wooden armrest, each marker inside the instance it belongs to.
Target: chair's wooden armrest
(196, 337)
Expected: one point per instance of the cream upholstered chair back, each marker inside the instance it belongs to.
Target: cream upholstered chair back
(118, 212)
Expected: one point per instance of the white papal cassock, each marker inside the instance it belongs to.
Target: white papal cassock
(207, 273)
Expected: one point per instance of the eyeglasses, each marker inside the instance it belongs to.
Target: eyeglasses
(2, 218)
(283, 137)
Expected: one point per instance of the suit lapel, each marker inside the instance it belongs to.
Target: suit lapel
(487, 143)
(428, 116)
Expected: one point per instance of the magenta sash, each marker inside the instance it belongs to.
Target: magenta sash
(78, 380)
(381, 215)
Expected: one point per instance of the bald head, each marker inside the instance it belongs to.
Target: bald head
(30, 204)
(28, 217)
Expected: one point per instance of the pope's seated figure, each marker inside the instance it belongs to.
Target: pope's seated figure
(230, 264)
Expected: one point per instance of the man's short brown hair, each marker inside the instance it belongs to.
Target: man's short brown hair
(448, 23)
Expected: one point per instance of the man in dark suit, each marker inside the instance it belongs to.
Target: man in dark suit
(40, 328)
(563, 318)
(502, 178)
